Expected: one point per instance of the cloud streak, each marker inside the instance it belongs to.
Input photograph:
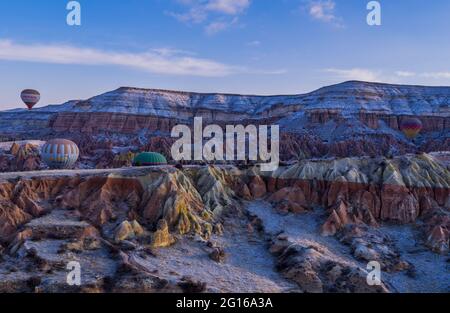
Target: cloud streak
(432, 75)
(218, 15)
(437, 75)
(218, 26)
(231, 7)
(354, 74)
(405, 74)
(159, 61)
(386, 76)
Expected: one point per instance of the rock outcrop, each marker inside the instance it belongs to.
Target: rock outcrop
(186, 204)
(398, 190)
(316, 270)
(21, 157)
(437, 230)
(369, 244)
(161, 237)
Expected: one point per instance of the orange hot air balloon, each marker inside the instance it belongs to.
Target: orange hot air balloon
(30, 97)
(411, 127)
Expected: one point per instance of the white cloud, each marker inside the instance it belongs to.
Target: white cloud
(215, 14)
(231, 7)
(166, 51)
(165, 61)
(432, 75)
(218, 26)
(324, 11)
(397, 77)
(160, 61)
(437, 75)
(194, 15)
(405, 74)
(355, 74)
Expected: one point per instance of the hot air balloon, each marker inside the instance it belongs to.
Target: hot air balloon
(411, 127)
(30, 97)
(60, 153)
(149, 159)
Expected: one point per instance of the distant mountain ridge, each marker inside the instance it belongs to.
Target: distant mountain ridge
(350, 97)
(128, 109)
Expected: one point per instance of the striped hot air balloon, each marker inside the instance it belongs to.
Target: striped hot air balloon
(60, 153)
(411, 127)
(30, 97)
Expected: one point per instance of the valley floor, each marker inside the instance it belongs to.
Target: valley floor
(248, 266)
(432, 271)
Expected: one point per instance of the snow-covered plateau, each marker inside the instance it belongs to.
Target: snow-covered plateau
(349, 98)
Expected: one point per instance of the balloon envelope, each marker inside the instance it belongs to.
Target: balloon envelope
(60, 153)
(149, 159)
(411, 127)
(30, 97)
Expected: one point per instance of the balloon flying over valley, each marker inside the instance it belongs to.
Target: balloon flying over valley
(30, 97)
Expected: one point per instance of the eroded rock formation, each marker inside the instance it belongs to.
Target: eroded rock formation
(106, 213)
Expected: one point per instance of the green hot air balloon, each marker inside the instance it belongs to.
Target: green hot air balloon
(149, 159)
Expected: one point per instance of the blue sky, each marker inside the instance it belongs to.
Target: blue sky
(236, 46)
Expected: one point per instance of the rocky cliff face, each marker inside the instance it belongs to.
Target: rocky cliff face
(101, 199)
(123, 209)
(371, 190)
